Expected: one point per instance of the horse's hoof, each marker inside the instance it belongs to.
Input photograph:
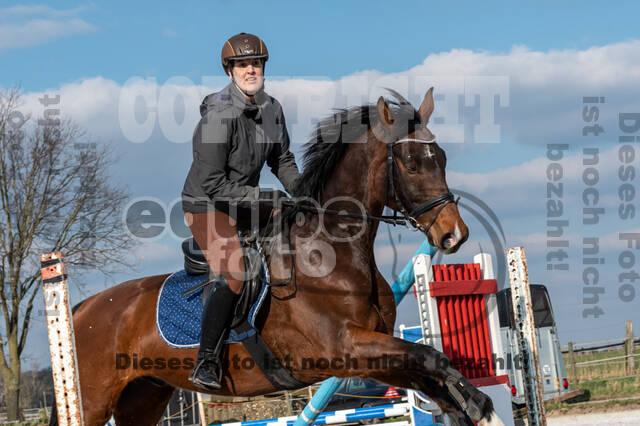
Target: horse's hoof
(480, 409)
(471, 400)
(474, 412)
(459, 419)
(491, 419)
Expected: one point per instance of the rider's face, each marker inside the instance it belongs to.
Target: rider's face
(249, 75)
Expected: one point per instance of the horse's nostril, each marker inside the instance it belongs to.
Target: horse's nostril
(449, 241)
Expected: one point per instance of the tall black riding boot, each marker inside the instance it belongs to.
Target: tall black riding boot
(216, 318)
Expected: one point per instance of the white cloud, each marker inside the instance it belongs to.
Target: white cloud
(545, 106)
(594, 67)
(546, 88)
(40, 31)
(27, 26)
(522, 188)
(92, 103)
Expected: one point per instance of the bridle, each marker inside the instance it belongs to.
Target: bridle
(411, 216)
(415, 211)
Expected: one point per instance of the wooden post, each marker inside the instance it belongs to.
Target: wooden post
(289, 408)
(628, 347)
(572, 365)
(201, 413)
(525, 329)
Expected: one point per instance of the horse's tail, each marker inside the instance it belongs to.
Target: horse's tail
(53, 418)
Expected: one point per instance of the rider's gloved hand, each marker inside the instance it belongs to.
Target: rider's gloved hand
(272, 198)
(265, 195)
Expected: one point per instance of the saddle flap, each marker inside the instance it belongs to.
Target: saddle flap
(179, 317)
(250, 289)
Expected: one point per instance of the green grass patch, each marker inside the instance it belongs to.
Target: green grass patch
(607, 378)
(612, 387)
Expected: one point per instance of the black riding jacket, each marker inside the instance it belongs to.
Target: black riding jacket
(231, 143)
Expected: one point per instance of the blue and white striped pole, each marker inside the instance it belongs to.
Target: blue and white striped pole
(336, 417)
(400, 287)
(318, 402)
(405, 279)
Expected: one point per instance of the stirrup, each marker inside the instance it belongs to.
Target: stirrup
(215, 379)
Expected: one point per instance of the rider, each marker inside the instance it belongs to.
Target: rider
(241, 128)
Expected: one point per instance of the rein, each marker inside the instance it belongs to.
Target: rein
(387, 219)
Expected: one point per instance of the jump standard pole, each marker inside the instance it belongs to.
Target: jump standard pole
(400, 287)
(526, 335)
(64, 364)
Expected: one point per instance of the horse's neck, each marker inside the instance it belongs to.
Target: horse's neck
(355, 179)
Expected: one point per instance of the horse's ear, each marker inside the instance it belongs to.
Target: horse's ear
(427, 106)
(384, 112)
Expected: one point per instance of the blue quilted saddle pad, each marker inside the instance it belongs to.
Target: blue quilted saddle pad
(178, 317)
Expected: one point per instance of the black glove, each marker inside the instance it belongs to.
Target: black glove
(266, 195)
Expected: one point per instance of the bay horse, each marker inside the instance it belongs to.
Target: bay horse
(338, 306)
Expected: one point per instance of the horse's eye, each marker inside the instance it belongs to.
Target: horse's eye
(412, 167)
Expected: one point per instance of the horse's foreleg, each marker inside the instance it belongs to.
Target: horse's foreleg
(440, 395)
(142, 402)
(410, 365)
(386, 303)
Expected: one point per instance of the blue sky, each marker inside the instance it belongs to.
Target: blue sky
(330, 39)
(550, 55)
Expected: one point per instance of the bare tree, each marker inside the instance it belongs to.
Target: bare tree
(55, 194)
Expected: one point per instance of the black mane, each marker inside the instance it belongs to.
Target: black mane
(332, 136)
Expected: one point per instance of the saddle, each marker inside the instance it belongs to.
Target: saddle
(254, 291)
(256, 223)
(196, 264)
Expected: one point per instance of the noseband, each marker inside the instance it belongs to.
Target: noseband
(414, 211)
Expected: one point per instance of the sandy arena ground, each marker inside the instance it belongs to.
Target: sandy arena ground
(630, 417)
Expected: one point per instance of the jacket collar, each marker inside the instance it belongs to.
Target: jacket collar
(241, 102)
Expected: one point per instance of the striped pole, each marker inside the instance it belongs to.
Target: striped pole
(400, 287)
(406, 278)
(336, 417)
(318, 402)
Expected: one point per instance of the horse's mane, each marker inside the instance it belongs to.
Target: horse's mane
(331, 137)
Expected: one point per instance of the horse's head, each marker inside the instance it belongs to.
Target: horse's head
(415, 181)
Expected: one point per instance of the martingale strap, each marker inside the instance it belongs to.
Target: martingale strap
(272, 368)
